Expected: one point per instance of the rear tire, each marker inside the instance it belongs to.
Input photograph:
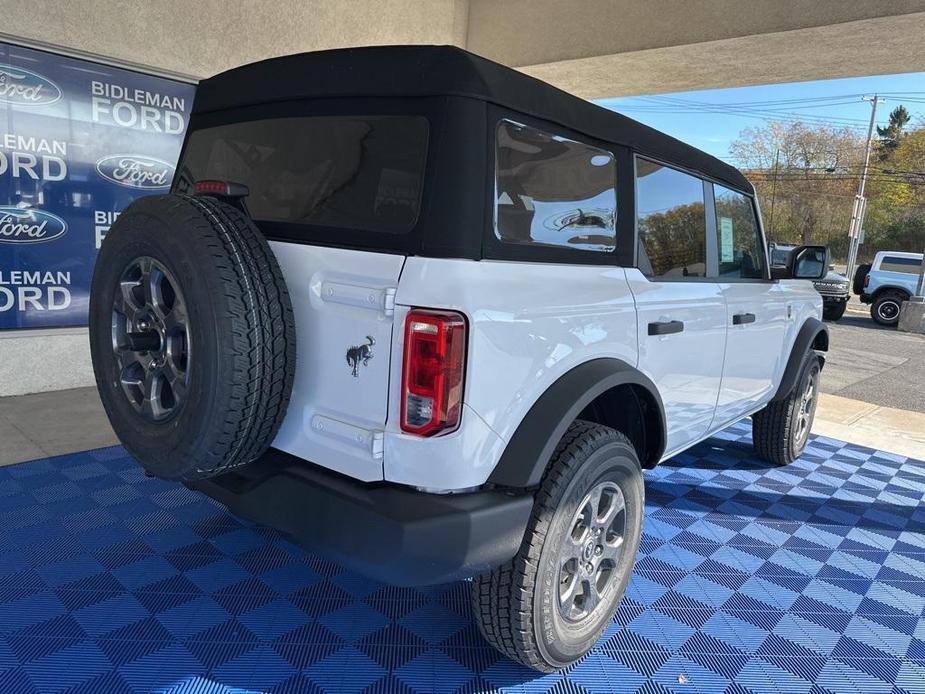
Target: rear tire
(886, 307)
(781, 430)
(525, 608)
(192, 336)
(834, 312)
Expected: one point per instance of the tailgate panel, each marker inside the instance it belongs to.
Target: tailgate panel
(342, 301)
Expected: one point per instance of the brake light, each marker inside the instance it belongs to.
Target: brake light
(432, 372)
(227, 189)
(866, 281)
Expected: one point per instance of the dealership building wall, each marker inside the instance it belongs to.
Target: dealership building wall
(594, 48)
(187, 41)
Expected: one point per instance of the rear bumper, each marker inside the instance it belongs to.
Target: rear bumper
(866, 298)
(393, 534)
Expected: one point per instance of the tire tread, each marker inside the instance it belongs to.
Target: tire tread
(264, 356)
(772, 427)
(503, 599)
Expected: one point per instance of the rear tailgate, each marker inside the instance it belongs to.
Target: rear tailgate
(322, 186)
(343, 302)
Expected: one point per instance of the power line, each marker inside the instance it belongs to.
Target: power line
(767, 110)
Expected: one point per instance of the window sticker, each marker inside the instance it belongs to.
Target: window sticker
(726, 244)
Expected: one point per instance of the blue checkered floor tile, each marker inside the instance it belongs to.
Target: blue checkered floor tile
(750, 578)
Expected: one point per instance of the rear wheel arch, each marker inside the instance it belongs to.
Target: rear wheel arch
(605, 391)
(889, 289)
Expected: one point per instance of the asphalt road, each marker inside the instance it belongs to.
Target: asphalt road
(878, 365)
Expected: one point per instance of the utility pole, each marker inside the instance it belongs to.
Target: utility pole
(860, 203)
(774, 193)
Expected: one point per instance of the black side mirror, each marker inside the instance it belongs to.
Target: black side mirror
(804, 263)
(810, 262)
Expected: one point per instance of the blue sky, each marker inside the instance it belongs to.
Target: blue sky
(712, 119)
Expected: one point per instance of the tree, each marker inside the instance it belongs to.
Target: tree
(809, 185)
(814, 185)
(891, 134)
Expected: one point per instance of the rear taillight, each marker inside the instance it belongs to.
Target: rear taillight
(866, 281)
(432, 372)
(225, 189)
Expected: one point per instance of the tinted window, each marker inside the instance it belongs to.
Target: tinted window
(741, 253)
(671, 221)
(553, 191)
(895, 264)
(361, 172)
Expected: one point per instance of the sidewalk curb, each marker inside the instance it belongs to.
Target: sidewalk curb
(885, 428)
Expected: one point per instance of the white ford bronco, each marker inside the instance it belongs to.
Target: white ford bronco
(432, 317)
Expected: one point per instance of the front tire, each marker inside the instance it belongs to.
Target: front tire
(834, 312)
(886, 307)
(549, 605)
(781, 430)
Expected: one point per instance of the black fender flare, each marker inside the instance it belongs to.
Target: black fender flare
(813, 332)
(527, 453)
(890, 289)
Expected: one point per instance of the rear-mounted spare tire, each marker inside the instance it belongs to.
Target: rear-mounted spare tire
(192, 336)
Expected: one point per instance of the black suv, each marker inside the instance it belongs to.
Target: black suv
(833, 287)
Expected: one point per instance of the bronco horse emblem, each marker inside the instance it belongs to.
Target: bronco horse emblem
(360, 354)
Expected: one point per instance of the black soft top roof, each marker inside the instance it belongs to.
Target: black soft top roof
(410, 71)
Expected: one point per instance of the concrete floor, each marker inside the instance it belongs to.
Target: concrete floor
(874, 364)
(47, 424)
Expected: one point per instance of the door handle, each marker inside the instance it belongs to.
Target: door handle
(743, 318)
(666, 327)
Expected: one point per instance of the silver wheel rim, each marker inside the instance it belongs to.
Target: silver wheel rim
(151, 339)
(807, 408)
(591, 551)
(888, 310)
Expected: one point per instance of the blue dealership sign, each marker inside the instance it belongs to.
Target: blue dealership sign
(79, 141)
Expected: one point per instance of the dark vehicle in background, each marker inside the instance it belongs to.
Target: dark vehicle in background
(833, 287)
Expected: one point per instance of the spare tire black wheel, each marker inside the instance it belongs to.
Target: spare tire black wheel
(192, 336)
(857, 286)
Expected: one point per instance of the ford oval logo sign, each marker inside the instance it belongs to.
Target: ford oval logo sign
(136, 171)
(18, 225)
(26, 88)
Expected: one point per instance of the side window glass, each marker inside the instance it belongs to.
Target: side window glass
(737, 235)
(671, 221)
(551, 191)
(897, 264)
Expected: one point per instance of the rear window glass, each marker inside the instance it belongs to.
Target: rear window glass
(671, 221)
(896, 264)
(552, 191)
(359, 172)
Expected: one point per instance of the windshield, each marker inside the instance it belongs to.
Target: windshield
(360, 172)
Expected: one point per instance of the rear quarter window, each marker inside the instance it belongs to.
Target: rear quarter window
(911, 266)
(553, 191)
(359, 172)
